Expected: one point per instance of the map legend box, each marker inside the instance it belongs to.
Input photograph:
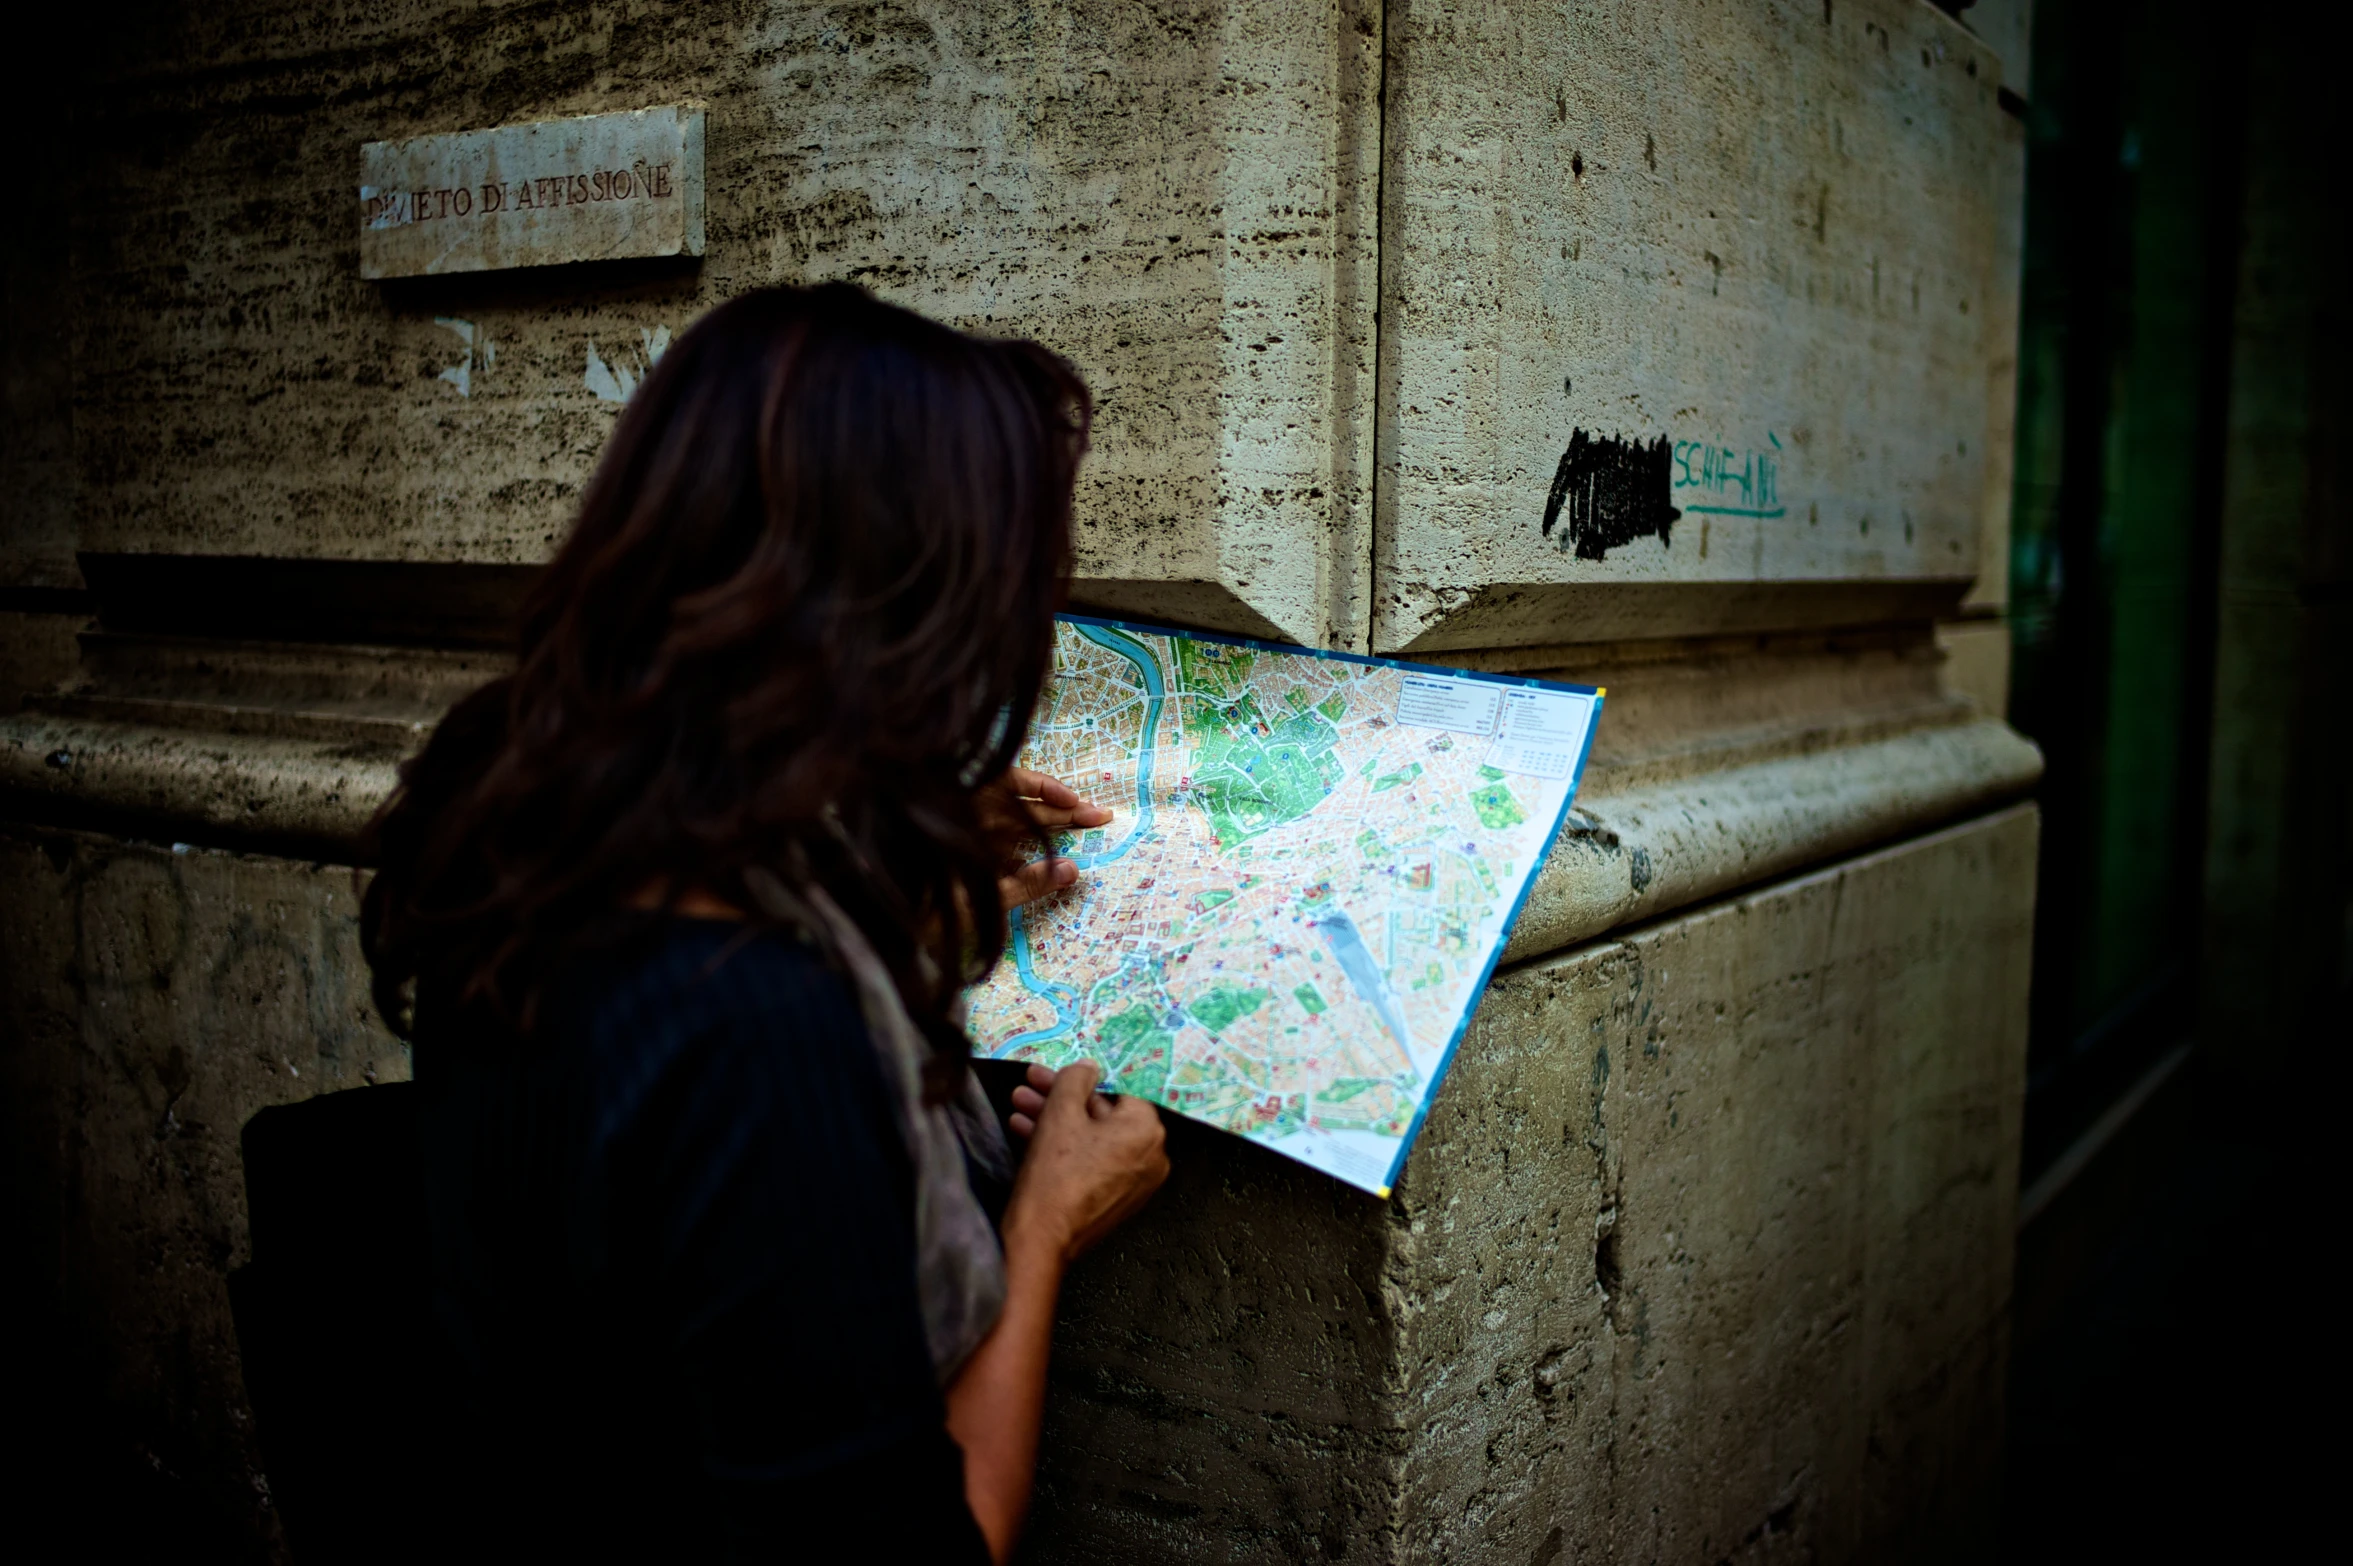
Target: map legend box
(1447, 701)
(1542, 733)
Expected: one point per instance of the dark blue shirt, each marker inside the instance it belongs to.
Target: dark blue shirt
(674, 1268)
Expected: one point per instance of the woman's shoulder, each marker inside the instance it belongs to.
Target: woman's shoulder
(666, 1008)
(688, 973)
(709, 1039)
(688, 993)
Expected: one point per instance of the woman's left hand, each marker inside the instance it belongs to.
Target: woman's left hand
(1024, 807)
(1029, 1100)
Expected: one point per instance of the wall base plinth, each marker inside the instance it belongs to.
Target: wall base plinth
(1705, 1249)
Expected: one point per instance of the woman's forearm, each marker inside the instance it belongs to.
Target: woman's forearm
(1092, 1160)
(998, 1398)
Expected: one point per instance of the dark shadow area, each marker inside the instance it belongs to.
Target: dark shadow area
(2176, 1404)
(78, 1490)
(384, 603)
(2182, 565)
(2128, 299)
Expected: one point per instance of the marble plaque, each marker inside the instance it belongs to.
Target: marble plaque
(600, 187)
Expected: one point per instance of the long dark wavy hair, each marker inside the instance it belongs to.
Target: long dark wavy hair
(805, 611)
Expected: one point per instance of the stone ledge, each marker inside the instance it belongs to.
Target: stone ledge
(1632, 854)
(1627, 854)
(253, 789)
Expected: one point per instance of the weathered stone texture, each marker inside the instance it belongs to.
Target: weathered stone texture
(37, 524)
(1178, 198)
(156, 999)
(1763, 231)
(1753, 231)
(1991, 594)
(37, 653)
(1703, 1254)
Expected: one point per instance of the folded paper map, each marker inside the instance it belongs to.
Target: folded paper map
(1314, 864)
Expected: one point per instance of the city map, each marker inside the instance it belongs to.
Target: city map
(1312, 866)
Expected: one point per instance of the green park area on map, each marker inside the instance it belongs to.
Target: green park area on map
(1314, 863)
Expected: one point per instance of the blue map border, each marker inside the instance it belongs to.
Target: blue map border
(1599, 694)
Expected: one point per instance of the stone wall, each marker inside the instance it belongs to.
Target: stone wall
(1177, 197)
(1703, 1255)
(1751, 246)
(1703, 1252)
(1704, 1246)
(156, 997)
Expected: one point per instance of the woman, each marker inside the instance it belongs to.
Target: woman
(678, 916)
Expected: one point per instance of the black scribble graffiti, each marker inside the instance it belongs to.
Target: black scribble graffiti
(1614, 491)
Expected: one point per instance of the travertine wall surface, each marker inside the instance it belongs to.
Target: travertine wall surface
(1743, 253)
(1703, 1255)
(154, 999)
(1177, 197)
(1727, 261)
(1409, 324)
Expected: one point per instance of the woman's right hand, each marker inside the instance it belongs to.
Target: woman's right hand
(1093, 1160)
(1025, 809)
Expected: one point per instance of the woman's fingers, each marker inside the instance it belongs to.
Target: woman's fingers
(1034, 880)
(1052, 803)
(1023, 807)
(1032, 784)
(1137, 1119)
(1092, 1161)
(1055, 818)
(1135, 1123)
(1073, 1085)
(1030, 1097)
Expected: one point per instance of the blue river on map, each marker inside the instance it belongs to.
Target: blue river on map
(1062, 997)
